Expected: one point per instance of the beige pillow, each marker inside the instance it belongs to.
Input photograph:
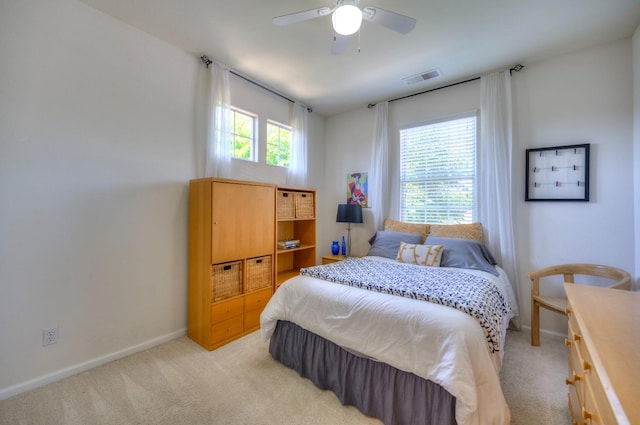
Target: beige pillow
(472, 231)
(423, 255)
(400, 226)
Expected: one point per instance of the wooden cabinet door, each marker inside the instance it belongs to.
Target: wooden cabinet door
(242, 221)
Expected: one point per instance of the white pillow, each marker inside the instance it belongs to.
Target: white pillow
(423, 255)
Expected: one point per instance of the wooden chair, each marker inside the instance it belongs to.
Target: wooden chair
(620, 278)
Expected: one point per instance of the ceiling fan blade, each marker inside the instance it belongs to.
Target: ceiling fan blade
(393, 21)
(339, 44)
(301, 16)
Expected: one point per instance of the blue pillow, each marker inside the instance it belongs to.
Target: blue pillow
(464, 254)
(386, 243)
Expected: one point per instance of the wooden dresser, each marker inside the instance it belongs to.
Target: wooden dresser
(604, 355)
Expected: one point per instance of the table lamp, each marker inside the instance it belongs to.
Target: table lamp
(349, 213)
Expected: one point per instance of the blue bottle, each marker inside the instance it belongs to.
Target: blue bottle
(344, 247)
(335, 248)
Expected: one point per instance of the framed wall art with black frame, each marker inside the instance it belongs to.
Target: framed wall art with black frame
(559, 173)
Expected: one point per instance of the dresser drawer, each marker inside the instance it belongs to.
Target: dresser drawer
(225, 310)
(575, 406)
(590, 411)
(227, 329)
(602, 406)
(571, 317)
(252, 320)
(576, 371)
(575, 378)
(594, 399)
(257, 300)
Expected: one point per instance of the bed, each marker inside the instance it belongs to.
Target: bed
(361, 329)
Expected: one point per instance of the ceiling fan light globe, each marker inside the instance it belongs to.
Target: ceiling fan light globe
(346, 19)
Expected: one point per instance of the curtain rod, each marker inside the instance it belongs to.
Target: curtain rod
(516, 68)
(205, 60)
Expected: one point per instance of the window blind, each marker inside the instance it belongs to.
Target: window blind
(438, 171)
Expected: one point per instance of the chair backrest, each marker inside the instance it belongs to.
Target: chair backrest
(621, 279)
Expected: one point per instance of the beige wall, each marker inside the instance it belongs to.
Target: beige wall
(97, 146)
(101, 128)
(583, 97)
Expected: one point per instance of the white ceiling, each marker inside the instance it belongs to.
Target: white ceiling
(462, 38)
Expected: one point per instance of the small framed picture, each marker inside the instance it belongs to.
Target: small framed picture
(559, 173)
(357, 189)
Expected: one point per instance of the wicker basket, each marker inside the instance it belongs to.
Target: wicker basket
(304, 205)
(259, 273)
(226, 280)
(285, 204)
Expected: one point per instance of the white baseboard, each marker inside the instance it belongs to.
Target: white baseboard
(553, 334)
(84, 366)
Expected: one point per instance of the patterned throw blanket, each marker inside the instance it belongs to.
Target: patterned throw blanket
(471, 294)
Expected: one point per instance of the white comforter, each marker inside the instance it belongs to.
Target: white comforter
(435, 342)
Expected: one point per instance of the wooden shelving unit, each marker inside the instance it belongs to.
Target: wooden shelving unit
(234, 260)
(295, 219)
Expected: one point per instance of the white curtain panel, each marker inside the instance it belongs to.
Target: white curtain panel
(297, 171)
(379, 174)
(494, 171)
(218, 154)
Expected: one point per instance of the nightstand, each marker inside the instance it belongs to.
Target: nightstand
(328, 259)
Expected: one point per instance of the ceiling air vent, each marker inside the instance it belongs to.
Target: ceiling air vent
(423, 76)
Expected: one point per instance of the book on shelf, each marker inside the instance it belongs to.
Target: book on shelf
(289, 243)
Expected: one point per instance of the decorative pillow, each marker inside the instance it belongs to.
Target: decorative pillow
(386, 244)
(472, 231)
(422, 255)
(464, 254)
(400, 226)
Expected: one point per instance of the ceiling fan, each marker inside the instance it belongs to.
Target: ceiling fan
(347, 18)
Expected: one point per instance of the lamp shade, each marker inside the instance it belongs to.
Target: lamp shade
(347, 19)
(349, 213)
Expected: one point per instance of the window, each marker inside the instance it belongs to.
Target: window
(242, 135)
(278, 144)
(437, 171)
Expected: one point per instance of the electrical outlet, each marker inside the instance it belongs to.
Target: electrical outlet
(49, 336)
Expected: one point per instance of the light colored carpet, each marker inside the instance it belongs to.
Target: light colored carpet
(533, 380)
(180, 383)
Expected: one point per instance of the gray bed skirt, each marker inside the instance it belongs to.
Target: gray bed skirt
(376, 389)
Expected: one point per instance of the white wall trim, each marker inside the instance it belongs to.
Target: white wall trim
(84, 366)
(554, 334)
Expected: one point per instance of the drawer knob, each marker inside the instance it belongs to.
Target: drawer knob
(568, 381)
(586, 414)
(567, 311)
(577, 338)
(567, 342)
(576, 377)
(586, 366)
